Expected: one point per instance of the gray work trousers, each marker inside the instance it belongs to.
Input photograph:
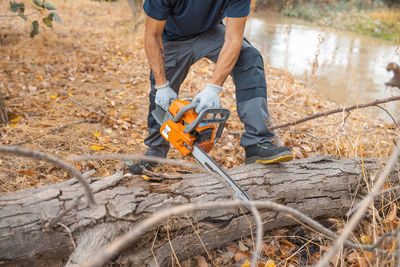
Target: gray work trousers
(248, 77)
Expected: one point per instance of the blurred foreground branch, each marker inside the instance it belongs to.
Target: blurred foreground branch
(36, 155)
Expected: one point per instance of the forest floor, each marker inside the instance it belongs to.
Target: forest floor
(95, 61)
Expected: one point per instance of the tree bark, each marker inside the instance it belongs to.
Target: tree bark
(318, 186)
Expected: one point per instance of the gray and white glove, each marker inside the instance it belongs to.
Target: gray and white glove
(208, 97)
(165, 95)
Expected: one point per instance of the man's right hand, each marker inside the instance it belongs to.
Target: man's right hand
(165, 95)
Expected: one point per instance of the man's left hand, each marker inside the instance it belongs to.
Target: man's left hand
(208, 97)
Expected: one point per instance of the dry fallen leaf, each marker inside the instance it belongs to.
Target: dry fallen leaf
(246, 263)
(16, 119)
(201, 261)
(365, 240)
(242, 247)
(97, 147)
(241, 255)
(145, 177)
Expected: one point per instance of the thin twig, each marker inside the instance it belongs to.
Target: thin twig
(101, 114)
(69, 233)
(278, 141)
(127, 239)
(398, 249)
(56, 129)
(330, 112)
(74, 205)
(54, 160)
(259, 234)
(170, 244)
(251, 226)
(152, 247)
(56, 219)
(390, 115)
(297, 251)
(324, 261)
(395, 188)
(201, 241)
(10, 16)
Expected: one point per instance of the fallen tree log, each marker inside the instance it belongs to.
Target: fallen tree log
(318, 186)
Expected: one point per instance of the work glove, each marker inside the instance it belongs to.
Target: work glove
(165, 95)
(208, 97)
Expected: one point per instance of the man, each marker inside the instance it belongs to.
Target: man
(179, 33)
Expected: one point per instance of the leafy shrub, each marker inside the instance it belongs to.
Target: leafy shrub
(43, 7)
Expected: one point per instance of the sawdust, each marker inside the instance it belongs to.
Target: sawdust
(97, 59)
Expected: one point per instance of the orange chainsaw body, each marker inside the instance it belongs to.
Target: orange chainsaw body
(174, 131)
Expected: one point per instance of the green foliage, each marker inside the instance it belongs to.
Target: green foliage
(35, 28)
(44, 4)
(373, 17)
(18, 7)
(42, 7)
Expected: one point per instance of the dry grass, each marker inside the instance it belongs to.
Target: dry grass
(99, 60)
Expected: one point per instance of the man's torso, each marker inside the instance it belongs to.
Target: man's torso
(187, 18)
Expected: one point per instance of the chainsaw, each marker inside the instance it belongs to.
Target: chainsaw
(195, 133)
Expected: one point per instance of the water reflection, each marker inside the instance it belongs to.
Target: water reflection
(351, 67)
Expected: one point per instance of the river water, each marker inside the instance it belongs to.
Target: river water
(351, 67)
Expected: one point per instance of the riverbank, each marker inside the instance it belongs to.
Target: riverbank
(377, 20)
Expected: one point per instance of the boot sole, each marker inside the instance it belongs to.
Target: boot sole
(279, 158)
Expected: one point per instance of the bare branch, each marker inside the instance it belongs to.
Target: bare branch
(176, 162)
(338, 110)
(69, 233)
(390, 115)
(324, 261)
(122, 242)
(54, 160)
(277, 140)
(259, 234)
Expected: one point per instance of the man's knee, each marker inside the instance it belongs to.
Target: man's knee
(248, 75)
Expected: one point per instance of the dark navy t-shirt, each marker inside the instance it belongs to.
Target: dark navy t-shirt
(187, 18)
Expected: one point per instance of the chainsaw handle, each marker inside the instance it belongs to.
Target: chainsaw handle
(183, 110)
(214, 112)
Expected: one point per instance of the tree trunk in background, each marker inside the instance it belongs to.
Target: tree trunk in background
(3, 111)
(317, 186)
